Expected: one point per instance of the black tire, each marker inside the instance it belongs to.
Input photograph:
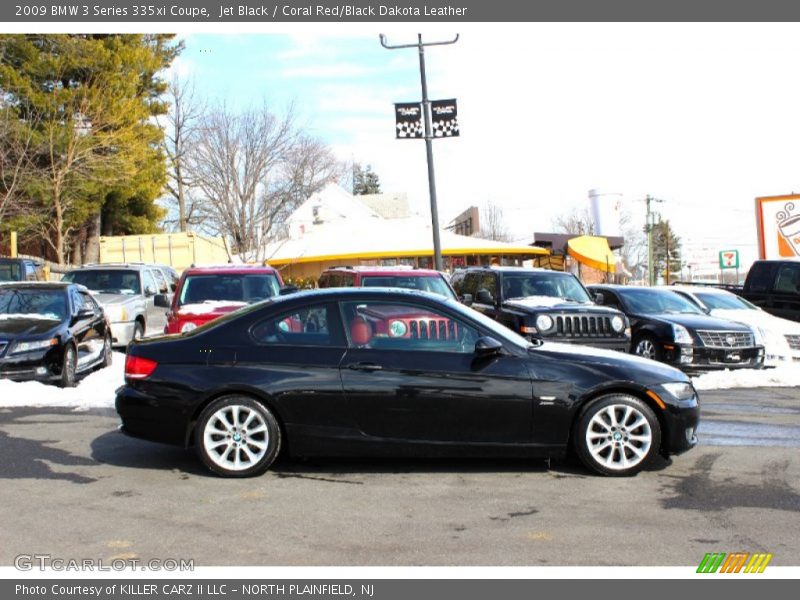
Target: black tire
(108, 352)
(242, 449)
(138, 331)
(617, 435)
(645, 345)
(69, 367)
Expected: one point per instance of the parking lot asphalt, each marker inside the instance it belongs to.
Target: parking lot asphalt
(73, 487)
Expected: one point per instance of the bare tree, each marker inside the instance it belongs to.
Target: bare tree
(236, 163)
(181, 134)
(493, 226)
(577, 221)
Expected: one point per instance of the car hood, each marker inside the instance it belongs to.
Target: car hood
(115, 299)
(615, 364)
(531, 303)
(698, 321)
(26, 325)
(759, 318)
(209, 309)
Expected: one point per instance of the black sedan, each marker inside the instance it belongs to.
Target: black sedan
(378, 372)
(51, 332)
(668, 328)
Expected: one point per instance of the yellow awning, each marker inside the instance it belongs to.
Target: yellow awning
(592, 251)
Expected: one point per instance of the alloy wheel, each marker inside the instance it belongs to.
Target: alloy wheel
(236, 437)
(619, 437)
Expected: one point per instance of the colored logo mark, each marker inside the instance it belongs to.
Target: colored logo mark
(736, 562)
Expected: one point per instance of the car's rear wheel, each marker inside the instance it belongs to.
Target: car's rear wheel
(237, 436)
(69, 366)
(138, 331)
(617, 435)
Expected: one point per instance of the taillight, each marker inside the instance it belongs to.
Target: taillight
(137, 367)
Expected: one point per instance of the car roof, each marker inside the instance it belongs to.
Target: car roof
(509, 269)
(230, 270)
(399, 270)
(377, 292)
(112, 266)
(701, 289)
(39, 284)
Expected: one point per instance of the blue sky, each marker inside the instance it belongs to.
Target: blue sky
(703, 116)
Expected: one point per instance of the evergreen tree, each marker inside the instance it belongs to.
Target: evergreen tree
(365, 181)
(666, 251)
(88, 102)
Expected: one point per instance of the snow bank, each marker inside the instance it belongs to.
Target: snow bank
(783, 376)
(95, 390)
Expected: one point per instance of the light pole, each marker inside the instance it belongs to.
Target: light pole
(649, 224)
(426, 108)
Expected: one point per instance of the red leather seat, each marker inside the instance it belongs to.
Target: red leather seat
(360, 331)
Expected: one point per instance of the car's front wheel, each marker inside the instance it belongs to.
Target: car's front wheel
(645, 346)
(237, 436)
(617, 435)
(69, 367)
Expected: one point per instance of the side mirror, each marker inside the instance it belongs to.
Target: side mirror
(465, 299)
(149, 291)
(84, 313)
(488, 346)
(162, 301)
(288, 289)
(599, 298)
(484, 297)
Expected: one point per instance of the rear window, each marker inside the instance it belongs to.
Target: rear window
(10, 271)
(433, 284)
(244, 288)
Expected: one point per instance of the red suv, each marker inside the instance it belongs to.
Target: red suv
(409, 278)
(205, 293)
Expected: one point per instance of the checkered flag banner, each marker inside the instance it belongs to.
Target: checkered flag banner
(444, 118)
(408, 120)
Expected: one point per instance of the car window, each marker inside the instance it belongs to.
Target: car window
(759, 279)
(650, 301)
(315, 325)
(609, 299)
(245, 288)
(10, 271)
(78, 303)
(470, 284)
(406, 326)
(724, 301)
(788, 279)
(488, 282)
(161, 281)
(148, 281)
(348, 280)
(33, 303)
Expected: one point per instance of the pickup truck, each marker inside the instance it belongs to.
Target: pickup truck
(773, 285)
(20, 269)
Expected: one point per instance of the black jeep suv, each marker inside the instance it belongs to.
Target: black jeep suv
(542, 304)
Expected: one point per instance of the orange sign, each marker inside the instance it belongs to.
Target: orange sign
(778, 222)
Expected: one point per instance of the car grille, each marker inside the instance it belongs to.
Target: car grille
(584, 326)
(793, 341)
(432, 329)
(726, 339)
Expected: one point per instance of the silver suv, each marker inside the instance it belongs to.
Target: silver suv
(132, 296)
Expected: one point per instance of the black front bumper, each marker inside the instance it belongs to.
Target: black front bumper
(36, 366)
(701, 358)
(680, 427)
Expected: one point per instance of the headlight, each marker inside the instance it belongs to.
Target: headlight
(758, 336)
(679, 391)
(681, 335)
(21, 347)
(116, 314)
(397, 329)
(617, 323)
(188, 326)
(544, 322)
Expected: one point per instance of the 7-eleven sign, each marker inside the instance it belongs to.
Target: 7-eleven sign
(729, 259)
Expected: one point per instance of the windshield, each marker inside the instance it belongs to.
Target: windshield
(725, 301)
(433, 284)
(33, 303)
(10, 271)
(501, 332)
(244, 288)
(107, 281)
(650, 301)
(553, 285)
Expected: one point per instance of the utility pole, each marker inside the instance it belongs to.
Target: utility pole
(426, 108)
(649, 225)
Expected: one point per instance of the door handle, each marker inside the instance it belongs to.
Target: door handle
(363, 366)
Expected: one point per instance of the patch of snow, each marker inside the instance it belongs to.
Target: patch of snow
(209, 306)
(783, 376)
(95, 390)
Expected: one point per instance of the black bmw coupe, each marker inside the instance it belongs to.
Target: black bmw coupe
(51, 332)
(379, 372)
